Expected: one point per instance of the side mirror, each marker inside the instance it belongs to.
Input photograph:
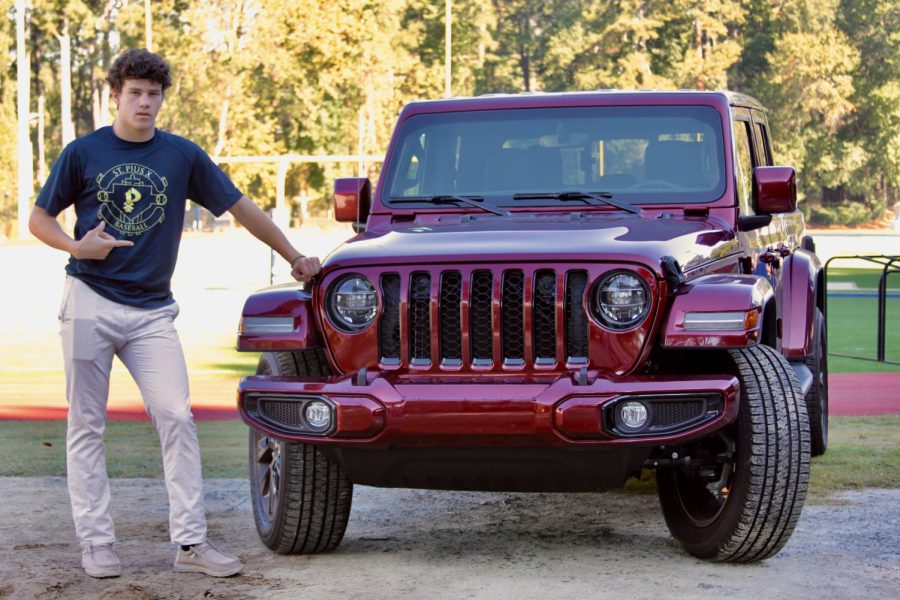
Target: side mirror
(352, 200)
(774, 190)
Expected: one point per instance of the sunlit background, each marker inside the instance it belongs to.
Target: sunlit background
(289, 95)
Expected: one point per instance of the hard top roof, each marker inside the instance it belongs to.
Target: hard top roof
(606, 97)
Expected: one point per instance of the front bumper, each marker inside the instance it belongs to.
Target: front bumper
(384, 410)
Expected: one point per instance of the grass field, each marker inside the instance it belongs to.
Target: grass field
(852, 322)
(38, 448)
(864, 452)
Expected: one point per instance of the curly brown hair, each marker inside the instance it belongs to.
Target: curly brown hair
(139, 63)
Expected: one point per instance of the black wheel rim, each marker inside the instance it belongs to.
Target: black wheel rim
(703, 491)
(268, 469)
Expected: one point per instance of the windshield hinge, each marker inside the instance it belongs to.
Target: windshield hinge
(673, 273)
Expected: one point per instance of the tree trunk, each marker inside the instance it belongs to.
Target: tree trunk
(65, 76)
(25, 158)
(223, 127)
(41, 157)
(68, 128)
(524, 58)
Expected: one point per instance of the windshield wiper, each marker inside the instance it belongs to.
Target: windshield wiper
(475, 201)
(602, 197)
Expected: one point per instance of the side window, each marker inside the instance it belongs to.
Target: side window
(743, 167)
(408, 181)
(764, 153)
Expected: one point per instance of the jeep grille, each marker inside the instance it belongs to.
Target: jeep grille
(530, 308)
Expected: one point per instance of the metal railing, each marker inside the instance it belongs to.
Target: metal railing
(890, 264)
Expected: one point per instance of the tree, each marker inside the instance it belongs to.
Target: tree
(523, 32)
(609, 45)
(873, 28)
(698, 42)
(8, 177)
(265, 77)
(808, 86)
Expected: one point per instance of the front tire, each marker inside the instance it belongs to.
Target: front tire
(741, 496)
(301, 499)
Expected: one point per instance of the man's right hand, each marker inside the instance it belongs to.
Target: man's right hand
(97, 244)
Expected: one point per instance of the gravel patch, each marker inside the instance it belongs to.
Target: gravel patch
(430, 544)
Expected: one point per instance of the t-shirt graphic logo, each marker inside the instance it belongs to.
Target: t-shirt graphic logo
(133, 198)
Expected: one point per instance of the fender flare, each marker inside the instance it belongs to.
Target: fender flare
(280, 302)
(717, 293)
(800, 292)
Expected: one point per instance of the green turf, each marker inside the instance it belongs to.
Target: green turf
(37, 448)
(852, 323)
(863, 278)
(864, 452)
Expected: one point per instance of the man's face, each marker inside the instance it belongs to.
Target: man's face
(139, 102)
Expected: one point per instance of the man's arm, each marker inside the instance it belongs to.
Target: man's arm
(261, 226)
(96, 243)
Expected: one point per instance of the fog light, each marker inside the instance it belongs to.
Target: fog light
(318, 415)
(633, 415)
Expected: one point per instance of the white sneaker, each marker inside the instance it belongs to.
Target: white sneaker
(100, 561)
(206, 558)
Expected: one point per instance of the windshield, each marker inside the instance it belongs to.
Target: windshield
(640, 154)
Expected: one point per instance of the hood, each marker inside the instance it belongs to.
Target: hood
(551, 238)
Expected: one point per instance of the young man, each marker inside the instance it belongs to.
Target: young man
(129, 183)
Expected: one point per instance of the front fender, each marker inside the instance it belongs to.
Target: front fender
(797, 303)
(712, 295)
(287, 312)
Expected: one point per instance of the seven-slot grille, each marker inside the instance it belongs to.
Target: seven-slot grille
(538, 313)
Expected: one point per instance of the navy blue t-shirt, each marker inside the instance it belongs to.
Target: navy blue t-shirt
(138, 189)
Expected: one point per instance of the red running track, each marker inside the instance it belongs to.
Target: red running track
(863, 394)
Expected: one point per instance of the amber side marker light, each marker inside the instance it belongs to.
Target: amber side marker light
(721, 321)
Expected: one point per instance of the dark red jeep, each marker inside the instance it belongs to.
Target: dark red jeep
(551, 292)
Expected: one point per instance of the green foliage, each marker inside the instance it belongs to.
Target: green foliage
(852, 213)
(310, 77)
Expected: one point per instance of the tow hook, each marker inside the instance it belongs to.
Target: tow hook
(673, 460)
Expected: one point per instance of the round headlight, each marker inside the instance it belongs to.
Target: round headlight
(621, 300)
(353, 302)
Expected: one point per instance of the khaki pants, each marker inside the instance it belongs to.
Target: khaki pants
(93, 330)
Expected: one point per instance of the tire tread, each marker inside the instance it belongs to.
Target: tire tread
(316, 494)
(770, 479)
(779, 456)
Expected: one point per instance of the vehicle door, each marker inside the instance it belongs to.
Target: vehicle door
(751, 151)
(791, 225)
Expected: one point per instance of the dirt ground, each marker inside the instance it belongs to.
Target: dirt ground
(424, 544)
